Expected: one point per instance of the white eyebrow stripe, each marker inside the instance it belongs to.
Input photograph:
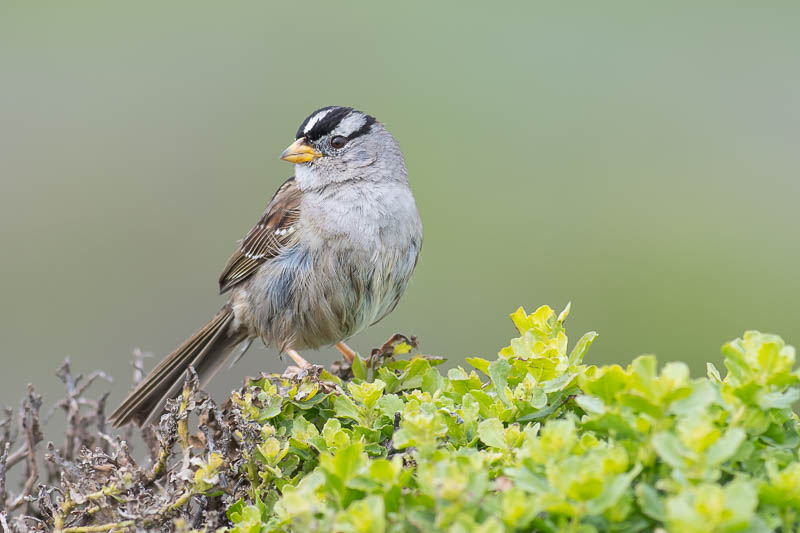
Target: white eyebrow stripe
(350, 124)
(316, 118)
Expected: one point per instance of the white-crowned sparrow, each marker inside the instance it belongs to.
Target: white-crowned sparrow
(331, 255)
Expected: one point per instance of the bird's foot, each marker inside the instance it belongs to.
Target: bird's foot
(293, 372)
(301, 366)
(346, 351)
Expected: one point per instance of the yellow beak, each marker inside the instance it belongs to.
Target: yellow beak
(300, 152)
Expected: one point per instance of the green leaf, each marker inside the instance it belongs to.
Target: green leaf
(557, 384)
(345, 408)
(411, 378)
(538, 398)
(521, 320)
(605, 382)
(462, 382)
(612, 491)
(703, 394)
(234, 512)
(613, 425)
(576, 356)
(271, 409)
(367, 393)
(432, 381)
(591, 404)
(779, 399)
(479, 363)
(492, 433)
(333, 434)
(742, 498)
(327, 377)
(527, 480)
(725, 447)
(347, 461)
(303, 430)
(384, 470)
(713, 373)
(670, 449)
(306, 391)
(365, 516)
(247, 519)
(643, 372)
(389, 404)
(498, 372)
(358, 368)
(651, 503)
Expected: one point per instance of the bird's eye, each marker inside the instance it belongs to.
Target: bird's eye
(338, 141)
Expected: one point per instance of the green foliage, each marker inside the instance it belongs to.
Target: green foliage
(531, 440)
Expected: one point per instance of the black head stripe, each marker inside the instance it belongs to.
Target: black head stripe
(322, 126)
(363, 129)
(326, 119)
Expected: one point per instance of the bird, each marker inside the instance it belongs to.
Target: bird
(331, 255)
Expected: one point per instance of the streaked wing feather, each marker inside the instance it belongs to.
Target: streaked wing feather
(273, 231)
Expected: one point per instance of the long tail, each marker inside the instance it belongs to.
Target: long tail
(206, 351)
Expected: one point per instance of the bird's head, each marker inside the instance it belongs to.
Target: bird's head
(339, 144)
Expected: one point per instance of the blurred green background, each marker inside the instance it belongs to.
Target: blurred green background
(638, 160)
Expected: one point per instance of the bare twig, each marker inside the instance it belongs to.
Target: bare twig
(137, 360)
(29, 420)
(387, 348)
(93, 483)
(160, 463)
(127, 524)
(18, 455)
(8, 426)
(3, 463)
(76, 432)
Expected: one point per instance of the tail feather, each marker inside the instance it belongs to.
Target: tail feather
(206, 351)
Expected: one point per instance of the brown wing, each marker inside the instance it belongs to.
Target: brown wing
(274, 231)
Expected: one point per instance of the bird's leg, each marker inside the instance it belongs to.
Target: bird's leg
(298, 359)
(346, 351)
(302, 364)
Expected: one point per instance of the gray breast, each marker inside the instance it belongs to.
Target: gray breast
(352, 263)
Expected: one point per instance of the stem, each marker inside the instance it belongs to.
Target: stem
(183, 422)
(787, 516)
(161, 463)
(102, 527)
(573, 524)
(185, 497)
(69, 504)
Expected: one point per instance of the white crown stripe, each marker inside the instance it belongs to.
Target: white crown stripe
(316, 118)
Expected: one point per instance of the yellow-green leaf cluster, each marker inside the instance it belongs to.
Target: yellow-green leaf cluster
(530, 440)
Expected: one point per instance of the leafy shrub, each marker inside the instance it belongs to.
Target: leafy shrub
(534, 440)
